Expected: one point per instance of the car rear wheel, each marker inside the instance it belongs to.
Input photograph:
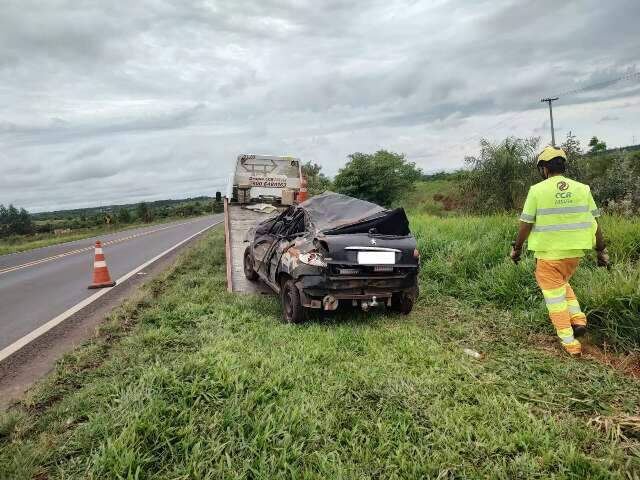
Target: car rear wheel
(249, 270)
(403, 302)
(292, 309)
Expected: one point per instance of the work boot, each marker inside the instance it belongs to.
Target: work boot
(579, 330)
(573, 348)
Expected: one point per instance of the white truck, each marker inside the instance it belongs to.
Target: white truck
(268, 181)
(265, 179)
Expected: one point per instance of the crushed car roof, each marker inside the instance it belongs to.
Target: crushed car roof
(331, 210)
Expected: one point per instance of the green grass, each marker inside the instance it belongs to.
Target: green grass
(23, 243)
(467, 257)
(189, 381)
(422, 197)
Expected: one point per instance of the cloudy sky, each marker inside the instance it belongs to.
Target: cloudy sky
(116, 101)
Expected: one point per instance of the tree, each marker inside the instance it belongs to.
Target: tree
(15, 222)
(596, 145)
(382, 177)
(317, 182)
(25, 225)
(124, 215)
(187, 209)
(616, 185)
(143, 212)
(4, 221)
(502, 174)
(573, 149)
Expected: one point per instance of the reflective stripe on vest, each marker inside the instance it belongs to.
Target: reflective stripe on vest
(564, 226)
(552, 211)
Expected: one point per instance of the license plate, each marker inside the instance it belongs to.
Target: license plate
(376, 258)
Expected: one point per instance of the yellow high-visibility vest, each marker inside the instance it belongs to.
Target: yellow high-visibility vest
(563, 213)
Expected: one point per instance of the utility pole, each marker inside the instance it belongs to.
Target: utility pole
(553, 134)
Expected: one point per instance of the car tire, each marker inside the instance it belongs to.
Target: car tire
(292, 309)
(248, 266)
(403, 302)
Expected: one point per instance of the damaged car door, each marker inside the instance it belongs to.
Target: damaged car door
(272, 240)
(266, 236)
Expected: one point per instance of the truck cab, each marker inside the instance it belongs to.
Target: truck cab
(266, 179)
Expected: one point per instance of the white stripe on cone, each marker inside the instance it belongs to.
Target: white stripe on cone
(98, 251)
(99, 263)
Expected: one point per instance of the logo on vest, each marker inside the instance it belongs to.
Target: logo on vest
(563, 196)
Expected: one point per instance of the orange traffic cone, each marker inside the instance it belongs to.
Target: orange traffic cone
(101, 277)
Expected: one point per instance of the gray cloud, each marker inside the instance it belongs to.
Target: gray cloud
(154, 99)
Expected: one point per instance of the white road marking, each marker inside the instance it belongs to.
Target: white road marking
(86, 249)
(30, 337)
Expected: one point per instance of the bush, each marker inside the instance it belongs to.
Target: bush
(317, 182)
(501, 175)
(618, 188)
(144, 213)
(381, 178)
(15, 222)
(124, 215)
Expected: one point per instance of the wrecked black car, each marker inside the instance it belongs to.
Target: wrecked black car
(334, 249)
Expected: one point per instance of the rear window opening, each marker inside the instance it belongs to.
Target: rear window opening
(391, 223)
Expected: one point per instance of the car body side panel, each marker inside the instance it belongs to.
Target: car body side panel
(289, 259)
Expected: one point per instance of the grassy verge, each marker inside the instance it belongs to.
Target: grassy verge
(467, 257)
(30, 242)
(188, 381)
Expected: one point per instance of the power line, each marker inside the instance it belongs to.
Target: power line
(515, 115)
(511, 117)
(606, 83)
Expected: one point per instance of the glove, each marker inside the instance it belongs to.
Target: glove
(603, 258)
(515, 254)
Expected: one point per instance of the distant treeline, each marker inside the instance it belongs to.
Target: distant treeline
(14, 221)
(112, 209)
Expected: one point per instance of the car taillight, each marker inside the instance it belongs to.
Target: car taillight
(312, 258)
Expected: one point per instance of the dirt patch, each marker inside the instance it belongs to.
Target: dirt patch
(628, 364)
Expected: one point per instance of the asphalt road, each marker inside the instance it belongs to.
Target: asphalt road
(38, 285)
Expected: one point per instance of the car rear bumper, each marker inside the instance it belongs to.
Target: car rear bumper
(314, 288)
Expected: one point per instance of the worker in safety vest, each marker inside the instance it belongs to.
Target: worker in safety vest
(559, 221)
